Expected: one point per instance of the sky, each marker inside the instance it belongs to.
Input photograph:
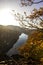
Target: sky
(16, 5)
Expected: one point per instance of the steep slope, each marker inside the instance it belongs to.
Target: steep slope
(8, 37)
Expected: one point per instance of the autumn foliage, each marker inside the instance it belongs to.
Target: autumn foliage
(34, 46)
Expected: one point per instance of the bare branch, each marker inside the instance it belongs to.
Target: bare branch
(35, 20)
(30, 2)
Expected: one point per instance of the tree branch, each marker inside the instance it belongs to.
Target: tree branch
(37, 2)
(30, 2)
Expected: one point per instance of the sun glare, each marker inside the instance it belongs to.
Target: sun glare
(6, 18)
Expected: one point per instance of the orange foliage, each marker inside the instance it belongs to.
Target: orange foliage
(34, 46)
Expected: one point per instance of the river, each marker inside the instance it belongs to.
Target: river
(22, 39)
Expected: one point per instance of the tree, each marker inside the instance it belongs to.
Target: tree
(33, 47)
(35, 20)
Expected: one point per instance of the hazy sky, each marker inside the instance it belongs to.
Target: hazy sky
(15, 5)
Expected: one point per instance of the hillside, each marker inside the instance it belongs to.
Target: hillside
(9, 35)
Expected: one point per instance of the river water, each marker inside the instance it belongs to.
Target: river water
(22, 39)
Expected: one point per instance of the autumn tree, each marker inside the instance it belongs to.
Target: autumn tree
(35, 19)
(33, 47)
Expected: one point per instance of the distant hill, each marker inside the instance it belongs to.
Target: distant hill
(9, 36)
